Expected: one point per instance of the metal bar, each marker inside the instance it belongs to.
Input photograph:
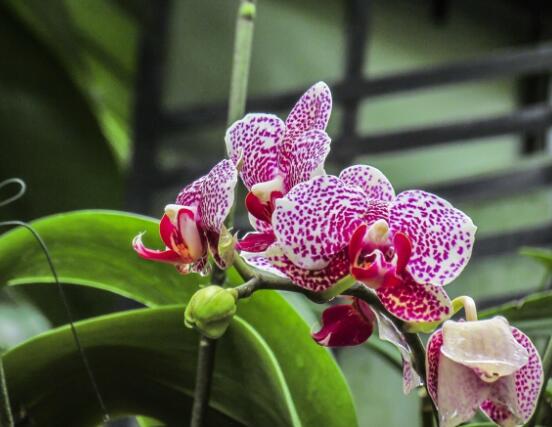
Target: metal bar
(148, 107)
(531, 119)
(356, 31)
(501, 64)
(495, 185)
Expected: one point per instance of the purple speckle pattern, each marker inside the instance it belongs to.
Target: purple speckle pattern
(255, 142)
(217, 195)
(314, 280)
(509, 401)
(415, 302)
(306, 159)
(191, 194)
(526, 382)
(316, 220)
(268, 147)
(374, 183)
(433, 353)
(261, 262)
(259, 225)
(312, 111)
(442, 236)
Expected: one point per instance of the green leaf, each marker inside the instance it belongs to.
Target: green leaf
(50, 136)
(534, 307)
(93, 248)
(100, 241)
(144, 361)
(542, 255)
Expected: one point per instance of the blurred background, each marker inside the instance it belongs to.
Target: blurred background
(118, 104)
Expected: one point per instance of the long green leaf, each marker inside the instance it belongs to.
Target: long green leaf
(93, 248)
(534, 307)
(100, 241)
(144, 361)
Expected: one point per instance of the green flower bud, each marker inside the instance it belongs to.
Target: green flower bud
(210, 310)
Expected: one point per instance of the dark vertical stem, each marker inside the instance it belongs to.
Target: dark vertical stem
(357, 18)
(204, 378)
(6, 418)
(427, 410)
(148, 106)
(236, 108)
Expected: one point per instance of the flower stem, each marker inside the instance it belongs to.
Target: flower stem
(426, 409)
(547, 367)
(241, 60)
(204, 376)
(6, 418)
(470, 310)
(236, 108)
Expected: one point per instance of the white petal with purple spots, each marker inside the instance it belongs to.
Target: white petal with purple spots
(253, 143)
(312, 111)
(316, 220)
(374, 183)
(217, 195)
(442, 236)
(306, 158)
(515, 402)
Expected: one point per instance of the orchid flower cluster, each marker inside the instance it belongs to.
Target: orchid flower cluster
(318, 230)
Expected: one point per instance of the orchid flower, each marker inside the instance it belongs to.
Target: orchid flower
(352, 324)
(484, 364)
(404, 247)
(195, 222)
(273, 156)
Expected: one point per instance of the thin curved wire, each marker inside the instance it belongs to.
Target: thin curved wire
(16, 196)
(68, 311)
(63, 296)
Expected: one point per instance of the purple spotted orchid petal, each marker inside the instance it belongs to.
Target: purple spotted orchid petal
(487, 346)
(260, 262)
(374, 183)
(314, 280)
(415, 302)
(316, 220)
(458, 389)
(345, 325)
(217, 198)
(442, 236)
(195, 221)
(305, 159)
(258, 225)
(253, 143)
(312, 111)
(454, 388)
(191, 194)
(459, 392)
(217, 195)
(514, 399)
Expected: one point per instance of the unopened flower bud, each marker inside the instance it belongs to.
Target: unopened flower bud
(210, 310)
